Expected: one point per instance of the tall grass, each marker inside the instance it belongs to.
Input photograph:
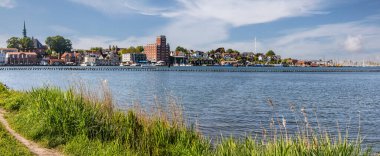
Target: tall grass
(80, 123)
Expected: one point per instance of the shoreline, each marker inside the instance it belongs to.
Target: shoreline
(194, 69)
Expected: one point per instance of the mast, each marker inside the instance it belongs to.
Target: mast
(255, 45)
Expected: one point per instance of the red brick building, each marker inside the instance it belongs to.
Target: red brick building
(159, 51)
(21, 58)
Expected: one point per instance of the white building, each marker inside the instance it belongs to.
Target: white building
(3, 52)
(90, 59)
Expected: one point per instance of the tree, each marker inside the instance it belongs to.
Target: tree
(26, 44)
(97, 49)
(182, 49)
(230, 51)
(58, 44)
(13, 42)
(270, 53)
(140, 48)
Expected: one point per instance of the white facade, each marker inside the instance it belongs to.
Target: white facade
(90, 59)
(126, 58)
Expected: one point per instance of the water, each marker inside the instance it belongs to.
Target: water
(237, 103)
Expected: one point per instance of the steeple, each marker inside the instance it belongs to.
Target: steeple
(24, 30)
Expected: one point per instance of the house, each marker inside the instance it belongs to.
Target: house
(21, 58)
(108, 59)
(71, 58)
(56, 62)
(90, 59)
(178, 57)
(198, 54)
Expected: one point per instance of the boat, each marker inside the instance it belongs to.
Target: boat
(83, 64)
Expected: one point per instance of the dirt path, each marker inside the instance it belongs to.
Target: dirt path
(32, 146)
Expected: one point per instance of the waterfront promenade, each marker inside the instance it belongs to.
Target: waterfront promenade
(198, 69)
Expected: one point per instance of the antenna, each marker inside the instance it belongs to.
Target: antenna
(255, 45)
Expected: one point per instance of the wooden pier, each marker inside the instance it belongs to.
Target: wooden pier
(193, 69)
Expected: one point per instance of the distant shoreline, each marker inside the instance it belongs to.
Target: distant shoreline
(193, 69)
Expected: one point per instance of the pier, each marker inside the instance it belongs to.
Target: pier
(194, 69)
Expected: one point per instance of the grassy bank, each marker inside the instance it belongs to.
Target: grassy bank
(9, 146)
(77, 122)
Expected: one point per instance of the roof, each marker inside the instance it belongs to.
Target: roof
(8, 49)
(27, 53)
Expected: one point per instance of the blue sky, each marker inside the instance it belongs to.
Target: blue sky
(310, 29)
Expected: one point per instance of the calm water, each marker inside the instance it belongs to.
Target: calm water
(237, 103)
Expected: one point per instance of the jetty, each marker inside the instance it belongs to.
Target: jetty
(193, 69)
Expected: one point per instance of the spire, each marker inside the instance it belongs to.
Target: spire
(24, 30)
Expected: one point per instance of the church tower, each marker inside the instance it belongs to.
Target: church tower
(24, 30)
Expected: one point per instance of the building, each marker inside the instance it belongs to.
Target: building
(131, 58)
(178, 58)
(159, 51)
(21, 58)
(3, 52)
(71, 58)
(90, 59)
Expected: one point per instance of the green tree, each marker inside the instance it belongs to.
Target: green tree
(26, 44)
(270, 53)
(13, 42)
(140, 48)
(97, 49)
(182, 49)
(58, 44)
(123, 51)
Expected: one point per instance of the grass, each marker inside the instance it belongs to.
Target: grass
(9, 145)
(77, 122)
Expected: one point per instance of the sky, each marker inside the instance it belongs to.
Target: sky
(305, 29)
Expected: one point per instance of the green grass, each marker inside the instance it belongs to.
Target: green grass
(78, 123)
(9, 146)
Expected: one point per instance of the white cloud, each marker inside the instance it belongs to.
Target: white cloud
(353, 43)
(104, 41)
(121, 6)
(198, 23)
(329, 40)
(7, 3)
(244, 12)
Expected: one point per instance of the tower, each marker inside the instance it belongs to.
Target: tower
(24, 30)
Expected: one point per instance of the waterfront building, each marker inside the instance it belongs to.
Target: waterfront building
(90, 59)
(71, 58)
(178, 58)
(3, 52)
(110, 58)
(131, 58)
(21, 58)
(159, 51)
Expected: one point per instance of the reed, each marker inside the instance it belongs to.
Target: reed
(81, 121)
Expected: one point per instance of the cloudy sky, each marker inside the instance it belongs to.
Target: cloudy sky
(341, 29)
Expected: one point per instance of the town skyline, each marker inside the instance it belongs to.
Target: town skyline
(333, 34)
